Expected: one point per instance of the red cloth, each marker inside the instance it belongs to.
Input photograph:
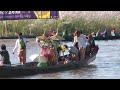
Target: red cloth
(44, 52)
(51, 33)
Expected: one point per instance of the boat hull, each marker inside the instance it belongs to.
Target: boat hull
(30, 68)
(107, 38)
(97, 38)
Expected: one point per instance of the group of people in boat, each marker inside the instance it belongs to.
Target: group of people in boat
(52, 48)
(85, 44)
(107, 33)
(82, 47)
(100, 33)
(21, 45)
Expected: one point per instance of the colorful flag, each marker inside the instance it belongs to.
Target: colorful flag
(18, 15)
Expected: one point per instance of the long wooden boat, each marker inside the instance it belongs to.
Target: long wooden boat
(67, 39)
(31, 68)
(98, 38)
(107, 38)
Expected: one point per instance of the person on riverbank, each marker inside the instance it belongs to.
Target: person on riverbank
(5, 56)
(21, 45)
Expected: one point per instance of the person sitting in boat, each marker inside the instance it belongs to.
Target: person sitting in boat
(63, 60)
(73, 56)
(5, 56)
(105, 33)
(65, 34)
(62, 49)
(113, 33)
(98, 33)
(102, 33)
(90, 45)
(74, 53)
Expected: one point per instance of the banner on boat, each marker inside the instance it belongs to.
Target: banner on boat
(18, 15)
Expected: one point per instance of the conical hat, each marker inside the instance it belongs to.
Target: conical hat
(43, 37)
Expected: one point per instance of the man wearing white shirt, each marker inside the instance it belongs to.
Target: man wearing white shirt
(82, 43)
(21, 45)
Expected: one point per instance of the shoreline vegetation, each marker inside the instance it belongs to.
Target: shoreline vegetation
(10, 28)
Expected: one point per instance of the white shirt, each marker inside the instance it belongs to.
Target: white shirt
(82, 41)
(112, 33)
(17, 44)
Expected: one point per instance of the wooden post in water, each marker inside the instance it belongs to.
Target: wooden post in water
(6, 32)
(30, 28)
(30, 31)
(3, 28)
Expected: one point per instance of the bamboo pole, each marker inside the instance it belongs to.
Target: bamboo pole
(30, 29)
(3, 28)
(16, 25)
(56, 25)
(6, 31)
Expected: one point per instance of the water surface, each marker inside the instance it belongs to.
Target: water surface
(105, 66)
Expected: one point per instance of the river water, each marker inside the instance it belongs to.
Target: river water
(105, 66)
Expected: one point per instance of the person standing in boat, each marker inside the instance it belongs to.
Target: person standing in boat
(75, 43)
(5, 56)
(21, 45)
(82, 43)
